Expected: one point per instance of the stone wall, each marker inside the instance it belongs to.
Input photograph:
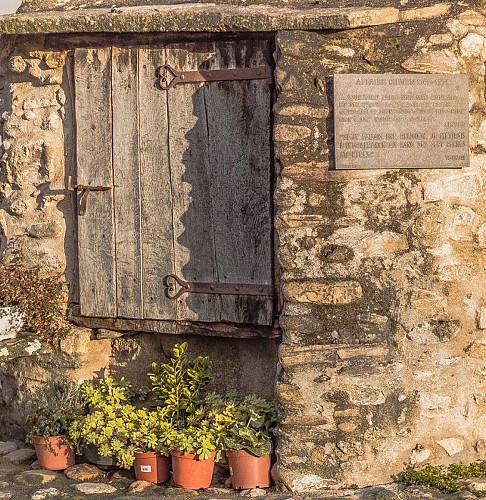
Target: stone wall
(384, 348)
(383, 355)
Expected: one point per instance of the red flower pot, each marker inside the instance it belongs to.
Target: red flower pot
(53, 453)
(247, 470)
(152, 467)
(189, 472)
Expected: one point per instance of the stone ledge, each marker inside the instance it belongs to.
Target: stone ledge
(196, 17)
(25, 344)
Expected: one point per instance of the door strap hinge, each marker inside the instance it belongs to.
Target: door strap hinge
(175, 287)
(168, 76)
(85, 190)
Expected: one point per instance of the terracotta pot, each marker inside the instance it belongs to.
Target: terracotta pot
(247, 470)
(152, 467)
(189, 472)
(53, 453)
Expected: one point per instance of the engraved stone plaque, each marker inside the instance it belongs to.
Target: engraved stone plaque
(401, 121)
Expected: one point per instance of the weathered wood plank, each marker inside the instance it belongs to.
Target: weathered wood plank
(126, 171)
(157, 230)
(238, 120)
(194, 247)
(96, 242)
(178, 327)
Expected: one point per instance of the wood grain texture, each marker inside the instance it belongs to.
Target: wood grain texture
(194, 247)
(126, 168)
(96, 240)
(221, 181)
(192, 176)
(238, 120)
(131, 326)
(156, 196)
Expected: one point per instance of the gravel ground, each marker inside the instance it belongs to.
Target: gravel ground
(20, 479)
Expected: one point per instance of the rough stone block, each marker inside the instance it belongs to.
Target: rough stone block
(141, 487)
(481, 316)
(287, 393)
(433, 62)
(50, 229)
(83, 472)
(35, 477)
(437, 10)
(473, 45)
(7, 447)
(430, 401)
(306, 420)
(21, 456)
(384, 243)
(301, 355)
(303, 110)
(339, 292)
(452, 445)
(287, 133)
(94, 488)
(471, 18)
(481, 236)
(477, 349)
(362, 351)
(17, 64)
(419, 455)
(366, 396)
(458, 29)
(467, 185)
(441, 39)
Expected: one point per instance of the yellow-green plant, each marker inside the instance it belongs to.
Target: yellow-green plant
(445, 478)
(121, 431)
(180, 384)
(115, 426)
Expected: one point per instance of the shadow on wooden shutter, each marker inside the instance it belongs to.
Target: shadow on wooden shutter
(219, 141)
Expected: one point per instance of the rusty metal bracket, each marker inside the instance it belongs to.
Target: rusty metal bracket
(85, 190)
(175, 287)
(169, 77)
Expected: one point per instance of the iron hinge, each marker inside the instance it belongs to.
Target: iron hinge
(175, 287)
(169, 77)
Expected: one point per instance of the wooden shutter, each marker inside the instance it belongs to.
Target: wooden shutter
(190, 170)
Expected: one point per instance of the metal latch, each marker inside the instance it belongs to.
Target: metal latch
(85, 190)
(170, 76)
(175, 287)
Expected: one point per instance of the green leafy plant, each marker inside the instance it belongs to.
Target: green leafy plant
(248, 424)
(115, 426)
(121, 431)
(54, 410)
(40, 296)
(180, 384)
(445, 479)
(181, 389)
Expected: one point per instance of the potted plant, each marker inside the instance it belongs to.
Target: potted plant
(248, 427)
(100, 436)
(116, 432)
(180, 386)
(54, 412)
(147, 440)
